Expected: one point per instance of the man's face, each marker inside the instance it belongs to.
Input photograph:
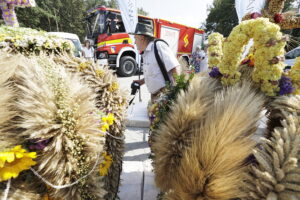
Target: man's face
(140, 42)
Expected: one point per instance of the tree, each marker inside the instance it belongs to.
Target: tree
(61, 15)
(112, 4)
(141, 11)
(93, 3)
(222, 17)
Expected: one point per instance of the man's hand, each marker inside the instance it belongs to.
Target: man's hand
(140, 82)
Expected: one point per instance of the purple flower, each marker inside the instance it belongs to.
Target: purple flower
(215, 73)
(37, 144)
(152, 118)
(285, 85)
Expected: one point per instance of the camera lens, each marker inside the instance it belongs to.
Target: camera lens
(134, 87)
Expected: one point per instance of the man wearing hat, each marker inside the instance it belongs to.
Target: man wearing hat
(153, 76)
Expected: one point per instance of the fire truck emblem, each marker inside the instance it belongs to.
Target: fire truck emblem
(186, 40)
(113, 49)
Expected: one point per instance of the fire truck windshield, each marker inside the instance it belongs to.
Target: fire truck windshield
(95, 23)
(101, 22)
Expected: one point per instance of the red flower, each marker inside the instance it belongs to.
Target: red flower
(255, 15)
(278, 18)
(245, 61)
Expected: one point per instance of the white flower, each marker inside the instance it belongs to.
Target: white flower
(3, 44)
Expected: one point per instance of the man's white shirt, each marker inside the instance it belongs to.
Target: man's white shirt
(154, 78)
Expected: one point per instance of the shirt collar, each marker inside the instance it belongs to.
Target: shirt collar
(149, 47)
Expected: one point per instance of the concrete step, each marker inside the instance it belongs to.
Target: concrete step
(137, 175)
(137, 115)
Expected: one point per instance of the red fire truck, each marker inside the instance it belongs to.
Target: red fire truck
(116, 47)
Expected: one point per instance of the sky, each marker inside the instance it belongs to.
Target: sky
(187, 12)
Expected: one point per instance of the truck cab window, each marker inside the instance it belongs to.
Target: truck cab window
(114, 23)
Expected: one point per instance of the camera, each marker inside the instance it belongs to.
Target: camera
(135, 86)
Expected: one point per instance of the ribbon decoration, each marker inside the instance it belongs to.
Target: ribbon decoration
(8, 10)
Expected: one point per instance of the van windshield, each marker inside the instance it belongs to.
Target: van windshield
(77, 45)
(292, 54)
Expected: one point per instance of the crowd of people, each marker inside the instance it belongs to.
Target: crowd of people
(199, 59)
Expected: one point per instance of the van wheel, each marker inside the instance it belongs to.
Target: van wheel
(127, 66)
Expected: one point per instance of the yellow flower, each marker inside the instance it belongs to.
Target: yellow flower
(114, 86)
(105, 165)
(82, 66)
(294, 74)
(15, 161)
(215, 53)
(110, 119)
(269, 50)
(46, 197)
(99, 73)
(104, 127)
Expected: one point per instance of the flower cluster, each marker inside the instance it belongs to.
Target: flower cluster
(20, 3)
(113, 87)
(162, 106)
(294, 74)
(275, 6)
(105, 165)
(278, 18)
(249, 60)
(215, 73)
(29, 41)
(105, 120)
(269, 44)
(100, 73)
(286, 86)
(274, 11)
(14, 161)
(82, 66)
(215, 53)
(8, 10)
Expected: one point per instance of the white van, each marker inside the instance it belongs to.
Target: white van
(72, 37)
(291, 56)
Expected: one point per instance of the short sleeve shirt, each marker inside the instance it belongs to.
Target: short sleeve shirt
(89, 53)
(154, 79)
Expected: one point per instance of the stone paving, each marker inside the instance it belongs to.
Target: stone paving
(137, 176)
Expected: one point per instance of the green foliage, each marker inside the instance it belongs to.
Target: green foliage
(164, 105)
(288, 5)
(61, 15)
(294, 33)
(222, 17)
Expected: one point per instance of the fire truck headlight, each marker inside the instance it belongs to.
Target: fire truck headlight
(102, 55)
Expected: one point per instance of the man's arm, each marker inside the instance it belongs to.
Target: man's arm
(174, 71)
(141, 81)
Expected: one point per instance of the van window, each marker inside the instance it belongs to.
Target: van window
(77, 45)
(292, 54)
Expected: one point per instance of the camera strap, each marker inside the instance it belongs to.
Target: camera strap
(160, 63)
(130, 102)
